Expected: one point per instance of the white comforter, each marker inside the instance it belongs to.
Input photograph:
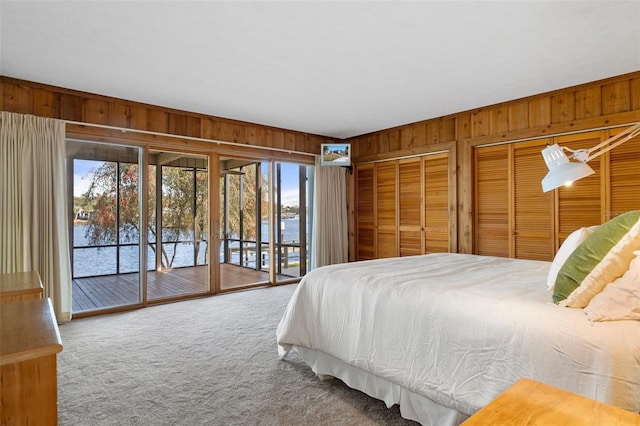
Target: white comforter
(460, 329)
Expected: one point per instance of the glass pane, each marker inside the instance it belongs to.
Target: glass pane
(129, 258)
(249, 202)
(202, 217)
(128, 211)
(264, 217)
(98, 202)
(289, 238)
(177, 254)
(178, 210)
(106, 229)
(151, 257)
(233, 211)
(94, 261)
(182, 249)
(151, 235)
(244, 245)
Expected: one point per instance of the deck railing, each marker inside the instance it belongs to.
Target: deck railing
(255, 255)
(121, 258)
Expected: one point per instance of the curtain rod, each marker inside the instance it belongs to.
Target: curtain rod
(149, 132)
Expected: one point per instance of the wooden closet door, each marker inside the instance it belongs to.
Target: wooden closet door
(436, 203)
(581, 203)
(492, 201)
(410, 207)
(514, 218)
(386, 192)
(624, 181)
(533, 210)
(613, 189)
(365, 212)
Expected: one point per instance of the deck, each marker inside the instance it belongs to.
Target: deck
(107, 291)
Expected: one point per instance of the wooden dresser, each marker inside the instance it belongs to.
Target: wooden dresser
(532, 403)
(19, 286)
(29, 343)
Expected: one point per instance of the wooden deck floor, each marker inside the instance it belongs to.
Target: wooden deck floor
(95, 293)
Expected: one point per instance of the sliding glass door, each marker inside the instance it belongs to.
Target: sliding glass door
(244, 250)
(290, 186)
(107, 228)
(262, 208)
(264, 237)
(111, 269)
(178, 243)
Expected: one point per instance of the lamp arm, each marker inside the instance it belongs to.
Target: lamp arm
(614, 141)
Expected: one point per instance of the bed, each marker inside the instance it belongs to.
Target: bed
(442, 335)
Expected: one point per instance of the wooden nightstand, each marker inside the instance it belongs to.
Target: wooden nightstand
(532, 403)
(18, 286)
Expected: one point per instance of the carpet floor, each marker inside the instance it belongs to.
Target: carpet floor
(210, 361)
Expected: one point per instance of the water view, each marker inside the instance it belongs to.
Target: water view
(92, 261)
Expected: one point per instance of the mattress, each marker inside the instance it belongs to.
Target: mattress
(459, 329)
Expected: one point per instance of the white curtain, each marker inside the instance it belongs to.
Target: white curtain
(33, 212)
(330, 235)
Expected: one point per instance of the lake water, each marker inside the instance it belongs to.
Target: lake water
(103, 260)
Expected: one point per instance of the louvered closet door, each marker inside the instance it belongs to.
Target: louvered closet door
(386, 245)
(491, 230)
(624, 178)
(533, 209)
(508, 195)
(410, 207)
(581, 203)
(365, 212)
(436, 203)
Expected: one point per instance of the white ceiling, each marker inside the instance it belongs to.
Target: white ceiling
(338, 69)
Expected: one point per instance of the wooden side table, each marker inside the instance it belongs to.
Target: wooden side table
(29, 343)
(19, 286)
(532, 403)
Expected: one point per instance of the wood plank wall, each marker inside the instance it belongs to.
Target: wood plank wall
(600, 104)
(54, 102)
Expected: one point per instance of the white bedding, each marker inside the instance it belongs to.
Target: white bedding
(460, 329)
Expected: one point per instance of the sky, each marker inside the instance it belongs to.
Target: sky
(80, 169)
(289, 178)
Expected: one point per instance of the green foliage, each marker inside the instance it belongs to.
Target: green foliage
(245, 184)
(113, 196)
(183, 216)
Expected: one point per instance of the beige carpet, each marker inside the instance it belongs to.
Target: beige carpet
(210, 361)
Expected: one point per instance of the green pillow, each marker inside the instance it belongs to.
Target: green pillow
(601, 258)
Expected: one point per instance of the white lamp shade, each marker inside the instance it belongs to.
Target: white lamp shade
(564, 174)
(554, 156)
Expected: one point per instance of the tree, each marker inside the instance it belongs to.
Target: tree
(113, 197)
(244, 181)
(184, 208)
(184, 214)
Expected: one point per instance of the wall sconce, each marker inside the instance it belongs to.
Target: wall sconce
(562, 171)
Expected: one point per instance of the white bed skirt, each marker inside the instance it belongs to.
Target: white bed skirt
(412, 406)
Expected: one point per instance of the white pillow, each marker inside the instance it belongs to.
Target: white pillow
(620, 300)
(568, 246)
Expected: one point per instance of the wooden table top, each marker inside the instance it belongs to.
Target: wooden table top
(16, 283)
(28, 330)
(532, 403)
